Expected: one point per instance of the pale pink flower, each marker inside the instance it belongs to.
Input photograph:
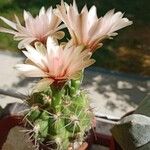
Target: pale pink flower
(86, 28)
(35, 29)
(55, 63)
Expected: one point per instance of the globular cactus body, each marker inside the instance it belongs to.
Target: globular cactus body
(59, 117)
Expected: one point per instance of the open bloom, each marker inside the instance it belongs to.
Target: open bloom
(55, 63)
(35, 29)
(86, 28)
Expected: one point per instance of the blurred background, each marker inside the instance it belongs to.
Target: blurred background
(129, 52)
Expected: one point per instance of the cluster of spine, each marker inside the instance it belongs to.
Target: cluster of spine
(59, 117)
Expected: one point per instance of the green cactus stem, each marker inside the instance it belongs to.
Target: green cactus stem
(56, 103)
(59, 114)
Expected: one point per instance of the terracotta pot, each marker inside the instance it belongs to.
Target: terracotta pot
(9, 122)
(6, 124)
(103, 140)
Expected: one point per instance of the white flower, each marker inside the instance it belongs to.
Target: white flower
(55, 63)
(86, 28)
(35, 29)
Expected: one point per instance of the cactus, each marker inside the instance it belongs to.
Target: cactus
(59, 113)
(59, 117)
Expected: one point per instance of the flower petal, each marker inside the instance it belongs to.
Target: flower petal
(52, 47)
(27, 15)
(30, 70)
(42, 11)
(10, 23)
(35, 56)
(40, 48)
(24, 42)
(43, 84)
(7, 30)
